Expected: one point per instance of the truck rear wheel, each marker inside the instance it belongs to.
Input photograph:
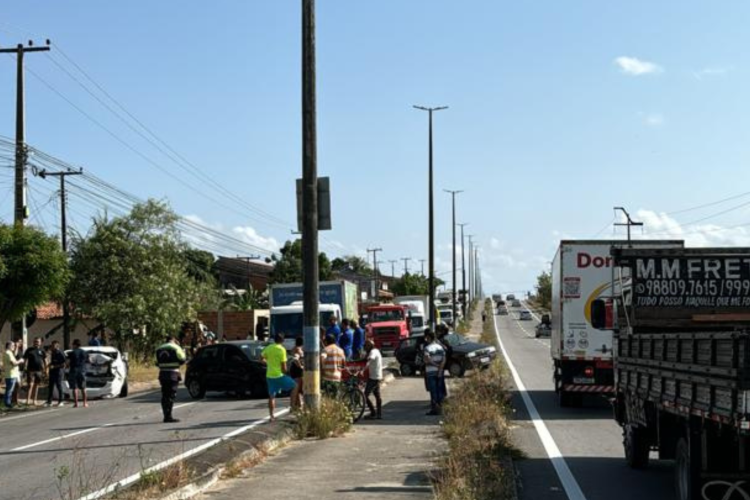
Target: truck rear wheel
(686, 472)
(637, 447)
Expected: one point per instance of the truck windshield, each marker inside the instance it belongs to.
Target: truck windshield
(417, 321)
(380, 316)
(291, 324)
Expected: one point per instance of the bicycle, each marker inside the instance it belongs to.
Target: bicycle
(349, 391)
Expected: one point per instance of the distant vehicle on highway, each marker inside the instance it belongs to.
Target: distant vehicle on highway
(542, 330)
(106, 373)
(228, 367)
(510, 297)
(524, 315)
(502, 310)
(516, 303)
(464, 355)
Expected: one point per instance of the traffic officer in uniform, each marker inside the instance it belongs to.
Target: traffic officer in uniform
(169, 358)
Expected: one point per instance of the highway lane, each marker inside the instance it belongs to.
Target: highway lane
(109, 441)
(588, 439)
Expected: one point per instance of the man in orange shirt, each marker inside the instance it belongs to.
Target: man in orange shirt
(333, 360)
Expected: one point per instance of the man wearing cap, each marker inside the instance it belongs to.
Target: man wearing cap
(169, 358)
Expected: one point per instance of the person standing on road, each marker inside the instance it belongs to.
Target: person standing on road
(169, 358)
(375, 371)
(334, 328)
(56, 365)
(333, 361)
(12, 372)
(359, 340)
(296, 371)
(346, 340)
(434, 359)
(19, 350)
(35, 362)
(77, 359)
(278, 381)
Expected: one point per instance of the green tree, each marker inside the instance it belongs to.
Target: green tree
(288, 266)
(132, 275)
(201, 265)
(33, 270)
(414, 284)
(352, 263)
(544, 289)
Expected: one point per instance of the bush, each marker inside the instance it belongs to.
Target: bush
(333, 420)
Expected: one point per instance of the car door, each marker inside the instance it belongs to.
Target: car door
(236, 368)
(210, 363)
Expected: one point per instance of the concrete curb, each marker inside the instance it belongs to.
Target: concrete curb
(213, 475)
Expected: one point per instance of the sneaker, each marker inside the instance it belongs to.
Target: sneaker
(432, 413)
(171, 420)
(61, 403)
(47, 404)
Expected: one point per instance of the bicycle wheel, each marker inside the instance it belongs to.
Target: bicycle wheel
(356, 402)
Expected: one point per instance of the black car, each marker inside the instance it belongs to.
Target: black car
(463, 354)
(228, 367)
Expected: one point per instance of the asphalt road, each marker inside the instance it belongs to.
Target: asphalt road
(66, 453)
(588, 439)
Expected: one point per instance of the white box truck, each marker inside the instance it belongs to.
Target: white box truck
(581, 354)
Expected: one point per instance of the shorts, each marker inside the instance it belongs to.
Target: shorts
(33, 377)
(280, 384)
(77, 380)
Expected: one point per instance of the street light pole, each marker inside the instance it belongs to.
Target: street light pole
(463, 269)
(431, 218)
(453, 194)
(471, 267)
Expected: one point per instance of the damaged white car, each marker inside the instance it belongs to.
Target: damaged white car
(106, 372)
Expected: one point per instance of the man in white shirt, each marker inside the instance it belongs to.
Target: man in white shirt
(434, 361)
(375, 369)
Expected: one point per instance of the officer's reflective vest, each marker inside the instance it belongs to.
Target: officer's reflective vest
(170, 356)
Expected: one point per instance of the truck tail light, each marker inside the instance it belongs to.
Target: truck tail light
(589, 371)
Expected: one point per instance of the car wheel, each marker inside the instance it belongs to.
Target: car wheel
(456, 369)
(406, 370)
(195, 389)
(124, 389)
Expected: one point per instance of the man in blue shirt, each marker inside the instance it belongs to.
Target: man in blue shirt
(346, 340)
(359, 339)
(334, 328)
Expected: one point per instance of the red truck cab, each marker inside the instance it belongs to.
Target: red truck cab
(387, 325)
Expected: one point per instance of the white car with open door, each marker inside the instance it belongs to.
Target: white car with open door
(106, 373)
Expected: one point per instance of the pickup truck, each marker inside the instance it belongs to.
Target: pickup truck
(681, 323)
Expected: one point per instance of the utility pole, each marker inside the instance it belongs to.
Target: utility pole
(310, 291)
(20, 211)
(463, 269)
(393, 267)
(64, 240)
(630, 222)
(453, 247)
(431, 218)
(247, 260)
(406, 264)
(375, 270)
(471, 267)
(422, 262)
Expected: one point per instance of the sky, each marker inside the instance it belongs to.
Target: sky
(558, 111)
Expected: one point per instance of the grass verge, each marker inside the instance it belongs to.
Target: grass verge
(334, 419)
(138, 371)
(477, 428)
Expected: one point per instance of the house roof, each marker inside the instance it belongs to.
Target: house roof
(50, 310)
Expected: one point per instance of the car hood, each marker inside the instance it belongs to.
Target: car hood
(468, 347)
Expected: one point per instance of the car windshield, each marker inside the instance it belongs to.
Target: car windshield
(390, 315)
(454, 339)
(446, 314)
(417, 321)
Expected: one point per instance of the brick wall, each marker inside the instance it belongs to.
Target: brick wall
(237, 324)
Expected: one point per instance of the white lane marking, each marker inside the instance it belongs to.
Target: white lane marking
(78, 433)
(528, 334)
(569, 483)
(27, 415)
(189, 453)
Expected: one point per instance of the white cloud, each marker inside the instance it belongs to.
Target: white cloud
(654, 119)
(711, 71)
(636, 67)
(662, 226)
(250, 235)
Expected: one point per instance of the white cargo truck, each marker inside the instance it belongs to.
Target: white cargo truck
(582, 355)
